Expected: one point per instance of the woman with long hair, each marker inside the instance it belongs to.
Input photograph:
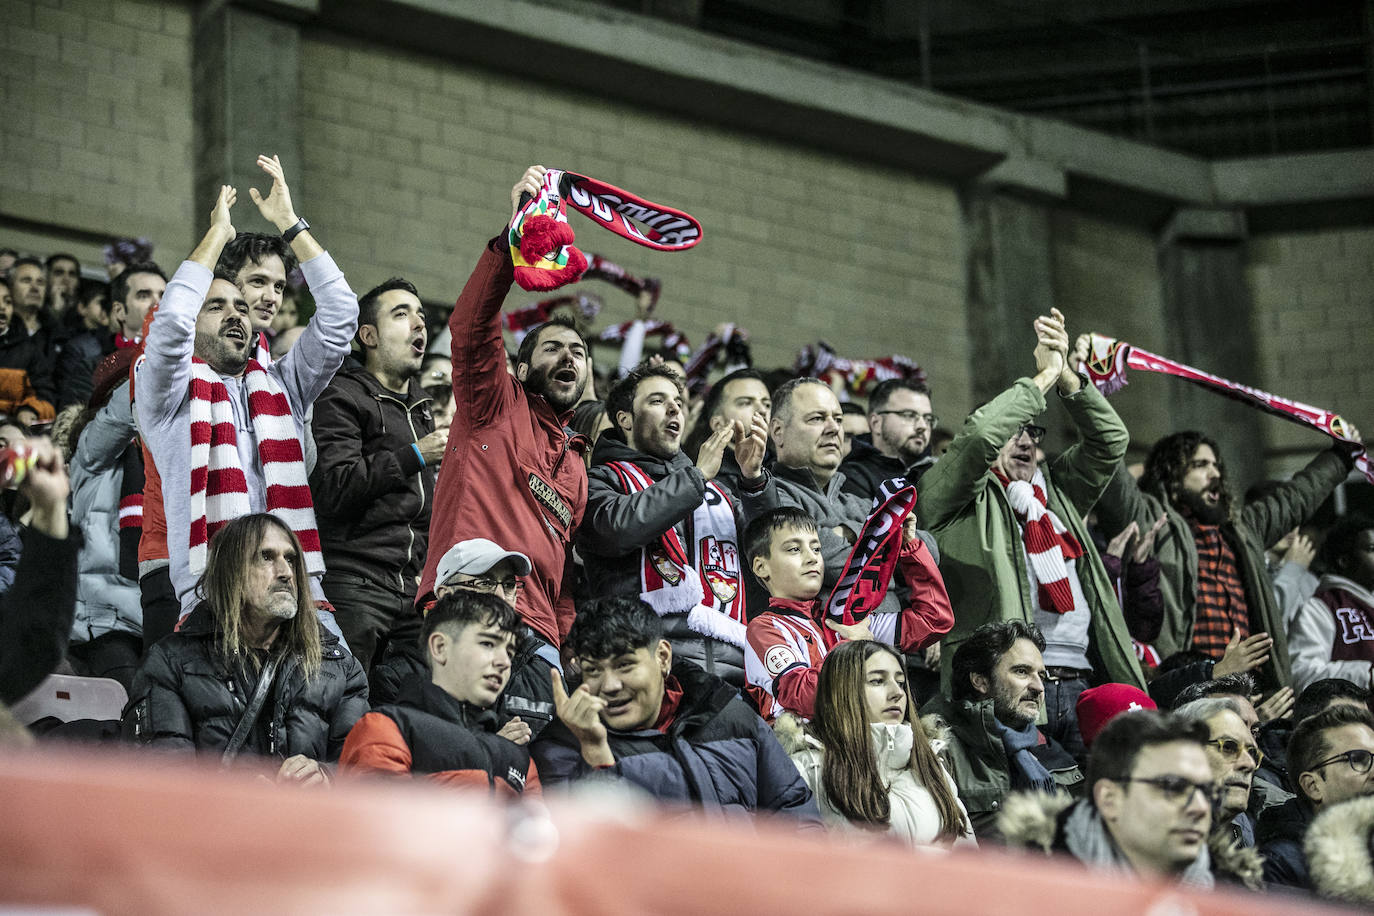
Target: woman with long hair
(866, 757)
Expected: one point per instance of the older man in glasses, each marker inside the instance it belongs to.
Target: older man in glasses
(1331, 758)
(1012, 540)
(1234, 757)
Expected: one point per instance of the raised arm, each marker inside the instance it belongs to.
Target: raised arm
(164, 375)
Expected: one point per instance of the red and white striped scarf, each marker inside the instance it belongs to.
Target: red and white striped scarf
(219, 490)
(1049, 545)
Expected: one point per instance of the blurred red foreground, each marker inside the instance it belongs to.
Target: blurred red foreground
(133, 834)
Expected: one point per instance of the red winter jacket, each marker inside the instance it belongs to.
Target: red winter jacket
(511, 473)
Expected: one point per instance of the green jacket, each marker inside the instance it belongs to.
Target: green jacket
(982, 556)
(1259, 525)
(977, 759)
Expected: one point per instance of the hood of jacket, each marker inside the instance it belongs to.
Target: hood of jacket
(414, 395)
(1331, 580)
(1340, 851)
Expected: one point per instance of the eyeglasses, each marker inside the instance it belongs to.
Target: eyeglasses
(1178, 790)
(1036, 433)
(1230, 750)
(911, 416)
(1360, 760)
(489, 585)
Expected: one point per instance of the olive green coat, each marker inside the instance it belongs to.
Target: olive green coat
(1258, 526)
(982, 556)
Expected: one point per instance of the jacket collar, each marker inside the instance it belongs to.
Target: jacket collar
(805, 477)
(414, 395)
(794, 607)
(610, 447)
(201, 622)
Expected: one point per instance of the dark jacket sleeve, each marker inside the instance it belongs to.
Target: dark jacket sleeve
(616, 523)
(1165, 688)
(11, 548)
(1294, 502)
(781, 789)
(1144, 602)
(345, 481)
(36, 613)
(76, 369)
(351, 708)
(157, 713)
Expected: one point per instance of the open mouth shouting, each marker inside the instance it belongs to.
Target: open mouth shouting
(236, 332)
(417, 345)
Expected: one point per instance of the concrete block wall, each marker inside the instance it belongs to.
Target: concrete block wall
(97, 128)
(1313, 293)
(410, 162)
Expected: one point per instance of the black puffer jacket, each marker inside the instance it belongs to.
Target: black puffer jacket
(618, 526)
(372, 497)
(865, 468)
(185, 697)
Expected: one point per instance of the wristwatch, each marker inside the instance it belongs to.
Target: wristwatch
(290, 234)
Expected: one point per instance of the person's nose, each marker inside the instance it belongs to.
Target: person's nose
(1199, 806)
(1036, 685)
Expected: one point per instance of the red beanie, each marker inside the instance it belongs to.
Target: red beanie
(1099, 705)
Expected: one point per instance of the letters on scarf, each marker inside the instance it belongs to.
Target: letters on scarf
(1109, 358)
(671, 581)
(868, 571)
(541, 241)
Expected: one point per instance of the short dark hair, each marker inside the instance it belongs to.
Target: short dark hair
(61, 256)
(758, 534)
(715, 396)
(1309, 747)
(26, 261)
(587, 417)
(851, 409)
(531, 338)
(883, 391)
(458, 609)
(1341, 539)
(1318, 695)
(1116, 747)
(367, 305)
(256, 247)
(607, 627)
(782, 396)
(979, 653)
(119, 286)
(622, 395)
(87, 290)
(1236, 684)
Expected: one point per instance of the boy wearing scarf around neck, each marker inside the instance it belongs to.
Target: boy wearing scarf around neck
(787, 644)
(1012, 539)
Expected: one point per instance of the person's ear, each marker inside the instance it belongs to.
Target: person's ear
(717, 422)
(981, 683)
(522, 371)
(874, 421)
(367, 335)
(1107, 799)
(775, 431)
(624, 420)
(1311, 786)
(664, 656)
(760, 568)
(438, 647)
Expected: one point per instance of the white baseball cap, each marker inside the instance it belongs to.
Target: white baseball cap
(475, 557)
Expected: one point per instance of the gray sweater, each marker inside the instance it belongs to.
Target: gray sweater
(163, 386)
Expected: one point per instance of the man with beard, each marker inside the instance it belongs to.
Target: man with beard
(1212, 570)
(374, 479)
(225, 432)
(1011, 533)
(897, 441)
(661, 528)
(259, 264)
(994, 746)
(512, 470)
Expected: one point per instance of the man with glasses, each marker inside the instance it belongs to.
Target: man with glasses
(1234, 756)
(1150, 808)
(1331, 760)
(897, 444)
(1011, 534)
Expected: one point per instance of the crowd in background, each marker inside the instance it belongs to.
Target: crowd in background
(514, 551)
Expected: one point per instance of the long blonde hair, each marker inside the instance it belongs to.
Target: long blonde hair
(849, 769)
(223, 587)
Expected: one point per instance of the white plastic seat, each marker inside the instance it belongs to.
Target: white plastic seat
(68, 697)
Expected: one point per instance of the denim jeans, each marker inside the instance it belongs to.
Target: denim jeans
(1061, 700)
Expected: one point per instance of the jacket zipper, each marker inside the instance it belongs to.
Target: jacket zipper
(419, 481)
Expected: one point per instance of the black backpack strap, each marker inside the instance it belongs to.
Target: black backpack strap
(250, 715)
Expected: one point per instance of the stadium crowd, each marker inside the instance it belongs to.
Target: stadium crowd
(328, 530)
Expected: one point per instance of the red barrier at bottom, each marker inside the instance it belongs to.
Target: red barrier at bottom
(137, 834)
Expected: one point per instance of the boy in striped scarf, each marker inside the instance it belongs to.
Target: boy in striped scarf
(225, 431)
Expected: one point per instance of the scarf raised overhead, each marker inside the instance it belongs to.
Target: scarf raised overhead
(541, 241)
(219, 489)
(1049, 545)
(1108, 360)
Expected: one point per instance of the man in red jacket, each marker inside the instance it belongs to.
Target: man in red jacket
(512, 471)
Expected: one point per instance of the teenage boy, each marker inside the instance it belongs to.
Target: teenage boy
(663, 726)
(787, 643)
(446, 728)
